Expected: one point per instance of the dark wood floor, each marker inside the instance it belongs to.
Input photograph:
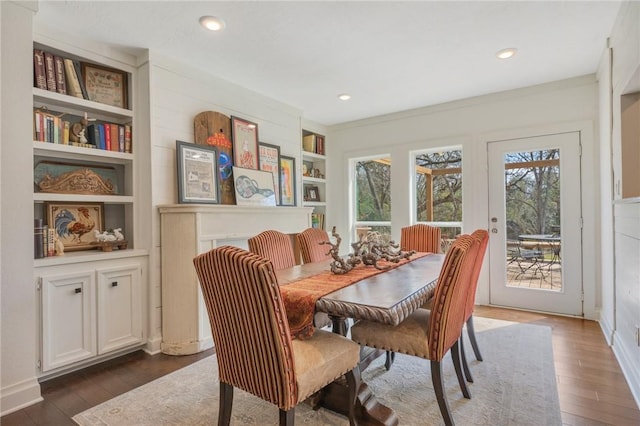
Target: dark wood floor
(591, 386)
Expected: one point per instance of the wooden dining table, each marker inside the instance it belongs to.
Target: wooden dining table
(388, 297)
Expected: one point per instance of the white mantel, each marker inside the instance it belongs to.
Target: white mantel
(190, 229)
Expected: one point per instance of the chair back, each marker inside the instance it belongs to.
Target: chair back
(275, 246)
(310, 247)
(420, 237)
(449, 301)
(249, 324)
(483, 238)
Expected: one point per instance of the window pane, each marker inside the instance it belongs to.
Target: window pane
(373, 195)
(439, 186)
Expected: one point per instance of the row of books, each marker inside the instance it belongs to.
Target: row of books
(313, 143)
(58, 74)
(44, 239)
(317, 220)
(53, 128)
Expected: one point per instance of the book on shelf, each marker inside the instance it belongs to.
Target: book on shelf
(83, 88)
(309, 143)
(317, 220)
(61, 85)
(319, 145)
(38, 239)
(72, 80)
(39, 73)
(50, 71)
(107, 137)
(128, 142)
(51, 242)
(115, 135)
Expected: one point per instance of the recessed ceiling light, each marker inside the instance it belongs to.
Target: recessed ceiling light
(344, 96)
(506, 53)
(212, 23)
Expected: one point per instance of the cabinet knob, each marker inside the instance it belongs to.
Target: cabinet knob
(78, 290)
(114, 284)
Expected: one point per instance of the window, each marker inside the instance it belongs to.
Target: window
(438, 190)
(372, 195)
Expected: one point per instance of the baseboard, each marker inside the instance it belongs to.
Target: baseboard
(19, 395)
(607, 330)
(629, 370)
(153, 346)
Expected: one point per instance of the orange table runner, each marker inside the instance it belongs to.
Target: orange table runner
(300, 297)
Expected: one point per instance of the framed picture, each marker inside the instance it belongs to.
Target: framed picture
(245, 143)
(105, 85)
(197, 173)
(75, 223)
(253, 187)
(311, 193)
(270, 162)
(287, 181)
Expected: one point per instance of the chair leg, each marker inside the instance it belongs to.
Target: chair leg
(465, 364)
(226, 404)
(455, 355)
(391, 356)
(472, 337)
(287, 418)
(441, 396)
(353, 383)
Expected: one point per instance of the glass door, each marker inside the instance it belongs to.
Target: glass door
(535, 221)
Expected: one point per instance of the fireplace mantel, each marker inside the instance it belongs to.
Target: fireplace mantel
(190, 229)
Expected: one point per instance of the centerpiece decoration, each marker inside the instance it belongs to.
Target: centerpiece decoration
(369, 250)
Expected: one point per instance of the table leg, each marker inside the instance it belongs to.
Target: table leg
(369, 411)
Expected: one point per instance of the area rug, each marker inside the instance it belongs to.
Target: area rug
(514, 385)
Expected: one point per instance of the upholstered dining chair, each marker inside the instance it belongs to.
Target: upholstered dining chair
(310, 247)
(418, 237)
(275, 246)
(483, 239)
(430, 334)
(421, 237)
(254, 349)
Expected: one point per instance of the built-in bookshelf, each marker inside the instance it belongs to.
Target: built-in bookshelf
(84, 168)
(314, 183)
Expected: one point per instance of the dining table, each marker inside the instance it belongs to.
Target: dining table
(389, 296)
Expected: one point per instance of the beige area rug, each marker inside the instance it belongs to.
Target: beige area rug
(515, 385)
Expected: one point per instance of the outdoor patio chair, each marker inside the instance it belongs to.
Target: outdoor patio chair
(526, 259)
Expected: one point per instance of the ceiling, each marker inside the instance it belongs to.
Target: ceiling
(388, 55)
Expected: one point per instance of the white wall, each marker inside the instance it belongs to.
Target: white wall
(177, 94)
(625, 77)
(558, 106)
(18, 383)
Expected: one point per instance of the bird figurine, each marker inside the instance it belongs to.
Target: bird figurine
(69, 225)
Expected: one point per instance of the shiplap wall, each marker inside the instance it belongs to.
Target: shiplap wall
(625, 73)
(177, 94)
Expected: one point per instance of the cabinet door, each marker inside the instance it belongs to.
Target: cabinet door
(119, 308)
(68, 319)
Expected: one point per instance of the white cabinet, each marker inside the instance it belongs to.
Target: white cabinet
(68, 319)
(90, 311)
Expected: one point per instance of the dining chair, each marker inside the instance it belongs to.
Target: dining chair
(418, 237)
(310, 247)
(421, 237)
(277, 247)
(430, 334)
(254, 348)
(483, 240)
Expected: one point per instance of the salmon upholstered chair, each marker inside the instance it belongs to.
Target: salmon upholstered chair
(418, 237)
(483, 238)
(275, 246)
(430, 334)
(421, 237)
(310, 247)
(254, 348)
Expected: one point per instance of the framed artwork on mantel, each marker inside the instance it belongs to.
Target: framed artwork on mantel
(245, 143)
(270, 162)
(197, 173)
(287, 181)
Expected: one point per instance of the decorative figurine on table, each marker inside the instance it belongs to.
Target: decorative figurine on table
(107, 240)
(368, 251)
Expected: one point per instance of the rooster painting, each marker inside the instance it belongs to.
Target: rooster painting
(73, 226)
